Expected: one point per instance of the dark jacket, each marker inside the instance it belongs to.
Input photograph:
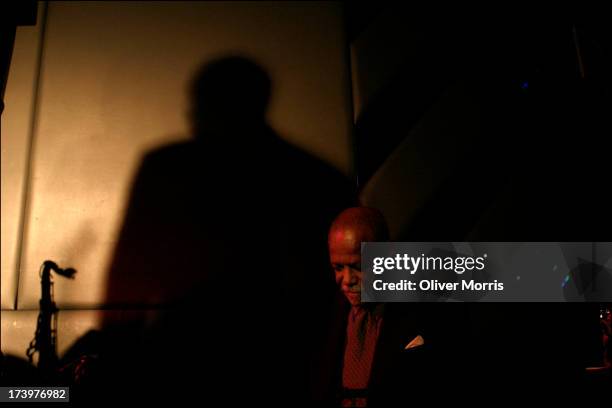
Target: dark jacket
(398, 374)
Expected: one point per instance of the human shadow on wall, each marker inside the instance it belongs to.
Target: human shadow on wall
(227, 232)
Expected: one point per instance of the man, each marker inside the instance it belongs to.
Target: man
(364, 322)
(377, 353)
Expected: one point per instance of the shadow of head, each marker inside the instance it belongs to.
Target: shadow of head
(229, 96)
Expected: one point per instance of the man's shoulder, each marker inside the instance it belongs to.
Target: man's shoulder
(171, 160)
(299, 159)
(172, 151)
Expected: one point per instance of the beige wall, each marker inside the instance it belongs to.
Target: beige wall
(113, 80)
(16, 136)
(18, 329)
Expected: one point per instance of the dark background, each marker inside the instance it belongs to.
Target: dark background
(533, 166)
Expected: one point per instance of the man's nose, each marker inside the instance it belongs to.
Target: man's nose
(348, 277)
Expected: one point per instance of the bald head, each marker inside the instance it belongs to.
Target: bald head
(356, 225)
(352, 227)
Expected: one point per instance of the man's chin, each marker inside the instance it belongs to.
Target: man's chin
(354, 298)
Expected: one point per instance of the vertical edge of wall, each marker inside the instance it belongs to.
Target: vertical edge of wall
(17, 132)
(351, 96)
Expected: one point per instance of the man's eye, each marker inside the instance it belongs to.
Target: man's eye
(338, 268)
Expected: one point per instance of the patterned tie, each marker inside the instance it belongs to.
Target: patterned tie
(361, 337)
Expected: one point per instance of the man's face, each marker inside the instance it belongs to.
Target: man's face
(345, 257)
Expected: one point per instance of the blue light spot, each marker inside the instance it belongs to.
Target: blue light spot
(565, 281)
(524, 84)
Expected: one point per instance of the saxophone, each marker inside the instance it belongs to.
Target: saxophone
(45, 338)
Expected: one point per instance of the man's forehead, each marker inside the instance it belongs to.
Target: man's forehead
(347, 239)
(345, 258)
